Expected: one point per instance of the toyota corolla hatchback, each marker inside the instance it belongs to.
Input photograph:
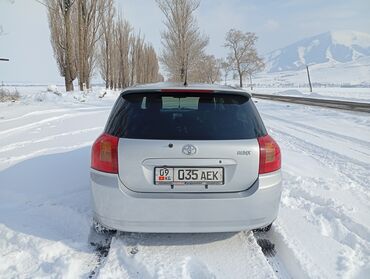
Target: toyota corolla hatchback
(185, 159)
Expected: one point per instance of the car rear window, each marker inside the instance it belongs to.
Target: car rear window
(190, 116)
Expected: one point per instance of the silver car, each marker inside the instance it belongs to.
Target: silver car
(178, 158)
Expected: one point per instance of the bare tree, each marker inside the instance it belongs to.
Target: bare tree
(243, 54)
(213, 68)
(226, 68)
(255, 67)
(183, 44)
(90, 14)
(207, 70)
(138, 46)
(106, 54)
(74, 26)
(123, 43)
(132, 58)
(62, 39)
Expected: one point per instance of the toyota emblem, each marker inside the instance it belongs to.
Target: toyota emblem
(189, 149)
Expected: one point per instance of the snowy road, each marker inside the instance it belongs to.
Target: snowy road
(323, 230)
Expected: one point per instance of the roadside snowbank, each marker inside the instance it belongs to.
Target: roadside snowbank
(341, 94)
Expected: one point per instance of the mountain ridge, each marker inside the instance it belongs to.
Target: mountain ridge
(333, 47)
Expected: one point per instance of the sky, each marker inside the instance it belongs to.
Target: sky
(25, 39)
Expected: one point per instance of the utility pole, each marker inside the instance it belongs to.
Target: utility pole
(309, 78)
(4, 60)
(250, 81)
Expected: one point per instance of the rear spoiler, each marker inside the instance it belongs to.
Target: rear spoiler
(130, 91)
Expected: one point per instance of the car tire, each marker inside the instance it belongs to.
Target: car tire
(263, 229)
(101, 229)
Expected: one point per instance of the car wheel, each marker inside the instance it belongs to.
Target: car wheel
(263, 229)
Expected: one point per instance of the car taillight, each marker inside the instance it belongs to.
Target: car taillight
(270, 157)
(104, 154)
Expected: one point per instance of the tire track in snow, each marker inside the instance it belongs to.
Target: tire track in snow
(50, 111)
(353, 176)
(6, 162)
(352, 168)
(334, 221)
(22, 144)
(359, 149)
(285, 260)
(328, 209)
(332, 218)
(273, 257)
(44, 121)
(315, 131)
(218, 255)
(357, 172)
(101, 244)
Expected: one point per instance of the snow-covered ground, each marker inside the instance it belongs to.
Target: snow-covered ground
(354, 73)
(324, 224)
(323, 229)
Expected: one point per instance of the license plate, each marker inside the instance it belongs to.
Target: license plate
(188, 176)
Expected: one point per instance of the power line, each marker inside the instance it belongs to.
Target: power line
(44, 4)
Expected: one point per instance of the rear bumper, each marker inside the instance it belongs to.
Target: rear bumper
(117, 207)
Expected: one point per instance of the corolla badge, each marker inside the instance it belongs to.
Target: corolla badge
(189, 149)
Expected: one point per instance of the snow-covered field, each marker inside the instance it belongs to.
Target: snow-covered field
(323, 229)
(330, 73)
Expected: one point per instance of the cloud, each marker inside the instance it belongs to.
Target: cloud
(272, 25)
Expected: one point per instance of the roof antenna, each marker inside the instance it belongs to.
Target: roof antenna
(186, 78)
(186, 70)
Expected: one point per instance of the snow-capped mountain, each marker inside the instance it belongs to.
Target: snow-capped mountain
(336, 47)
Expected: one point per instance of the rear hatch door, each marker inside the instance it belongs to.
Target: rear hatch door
(157, 130)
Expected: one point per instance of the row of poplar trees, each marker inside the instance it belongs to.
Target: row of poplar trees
(89, 35)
